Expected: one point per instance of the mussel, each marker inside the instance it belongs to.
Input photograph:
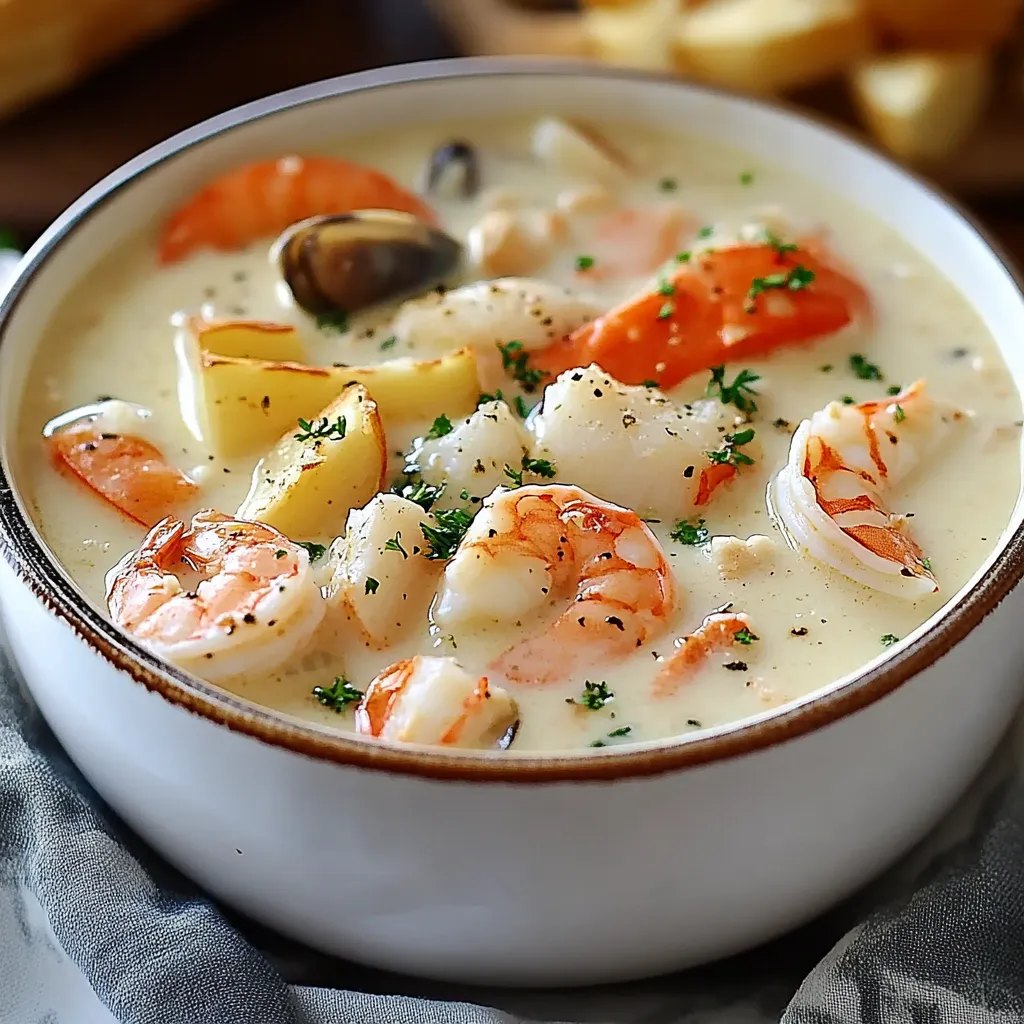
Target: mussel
(350, 261)
(456, 157)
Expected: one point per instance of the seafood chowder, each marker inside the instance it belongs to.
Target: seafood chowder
(519, 435)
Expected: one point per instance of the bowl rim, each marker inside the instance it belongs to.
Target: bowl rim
(50, 584)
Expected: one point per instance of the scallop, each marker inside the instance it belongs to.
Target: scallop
(350, 261)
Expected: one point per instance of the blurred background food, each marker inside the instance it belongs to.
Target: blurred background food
(86, 84)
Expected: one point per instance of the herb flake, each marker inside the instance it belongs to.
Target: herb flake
(594, 696)
(686, 532)
(737, 393)
(338, 695)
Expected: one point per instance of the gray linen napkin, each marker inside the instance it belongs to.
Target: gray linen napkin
(83, 903)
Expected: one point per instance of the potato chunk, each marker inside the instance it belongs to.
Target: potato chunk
(246, 404)
(472, 458)
(766, 46)
(247, 339)
(922, 105)
(381, 572)
(306, 485)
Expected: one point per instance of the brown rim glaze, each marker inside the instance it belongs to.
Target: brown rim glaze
(39, 570)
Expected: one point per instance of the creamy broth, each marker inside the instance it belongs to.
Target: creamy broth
(114, 337)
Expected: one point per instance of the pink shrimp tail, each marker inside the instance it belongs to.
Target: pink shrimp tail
(716, 633)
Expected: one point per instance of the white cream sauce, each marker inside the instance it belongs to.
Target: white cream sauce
(114, 338)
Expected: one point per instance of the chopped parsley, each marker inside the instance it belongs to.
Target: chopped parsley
(280, 553)
(667, 309)
(898, 414)
(863, 369)
(666, 287)
(584, 263)
(888, 640)
(514, 359)
(594, 696)
(419, 491)
(539, 467)
(316, 551)
(333, 323)
(395, 544)
(338, 695)
(484, 398)
(729, 454)
(848, 400)
(371, 585)
(781, 424)
(452, 524)
(827, 368)
(893, 389)
(521, 407)
(744, 636)
(747, 178)
(690, 533)
(623, 730)
(794, 280)
(683, 257)
(321, 430)
(737, 393)
(668, 184)
(780, 247)
(705, 232)
(650, 383)
(927, 563)
(441, 426)
(388, 343)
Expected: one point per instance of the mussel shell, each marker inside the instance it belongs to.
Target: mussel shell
(350, 261)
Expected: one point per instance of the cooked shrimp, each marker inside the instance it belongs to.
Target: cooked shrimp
(128, 471)
(256, 605)
(832, 496)
(632, 444)
(635, 241)
(720, 306)
(261, 199)
(718, 632)
(435, 700)
(532, 547)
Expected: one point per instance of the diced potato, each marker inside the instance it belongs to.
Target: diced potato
(306, 488)
(767, 46)
(943, 24)
(922, 105)
(247, 339)
(247, 404)
(574, 150)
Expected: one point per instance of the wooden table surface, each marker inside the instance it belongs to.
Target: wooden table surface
(243, 49)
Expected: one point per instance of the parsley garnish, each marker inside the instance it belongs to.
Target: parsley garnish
(419, 491)
(733, 394)
(584, 263)
(683, 257)
(863, 369)
(515, 359)
(371, 585)
(395, 544)
(594, 696)
(705, 232)
(388, 343)
(666, 287)
(794, 280)
(623, 730)
(484, 398)
(927, 563)
(521, 407)
(690, 533)
(316, 551)
(898, 414)
(888, 640)
(780, 247)
(668, 184)
(442, 425)
(827, 368)
(650, 383)
(667, 309)
(747, 178)
(893, 389)
(339, 695)
(280, 553)
(744, 636)
(540, 467)
(729, 453)
(848, 400)
(321, 429)
(452, 524)
(333, 323)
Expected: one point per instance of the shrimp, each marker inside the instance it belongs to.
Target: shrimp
(261, 199)
(739, 302)
(436, 701)
(831, 496)
(532, 546)
(127, 471)
(719, 631)
(256, 606)
(634, 241)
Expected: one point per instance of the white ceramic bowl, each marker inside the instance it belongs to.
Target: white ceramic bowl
(517, 869)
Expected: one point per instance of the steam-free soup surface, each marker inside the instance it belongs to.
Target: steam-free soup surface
(809, 624)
